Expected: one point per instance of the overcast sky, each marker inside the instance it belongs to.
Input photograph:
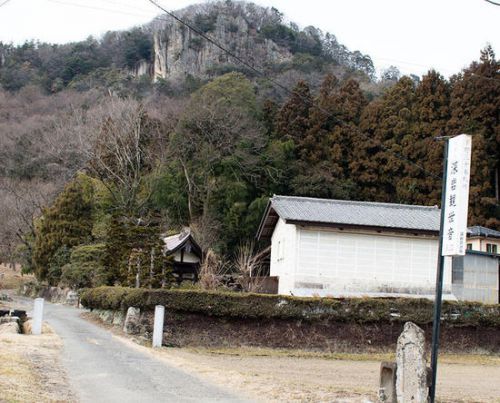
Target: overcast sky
(413, 35)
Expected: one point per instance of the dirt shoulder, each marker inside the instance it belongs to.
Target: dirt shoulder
(31, 370)
(267, 375)
(296, 375)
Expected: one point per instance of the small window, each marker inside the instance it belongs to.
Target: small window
(469, 246)
(491, 248)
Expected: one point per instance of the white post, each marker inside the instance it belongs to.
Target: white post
(158, 326)
(36, 327)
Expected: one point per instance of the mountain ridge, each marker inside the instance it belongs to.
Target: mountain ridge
(165, 50)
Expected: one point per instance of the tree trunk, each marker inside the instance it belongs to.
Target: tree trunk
(138, 273)
(152, 267)
(190, 189)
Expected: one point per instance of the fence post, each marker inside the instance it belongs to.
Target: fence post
(36, 327)
(158, 325)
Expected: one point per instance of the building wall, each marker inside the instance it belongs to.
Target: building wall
(188, 257)
(283, 255)
(480, 244)
(330, 262)
(476, 278)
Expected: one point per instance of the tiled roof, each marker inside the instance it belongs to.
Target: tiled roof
(174, 241)
(477, 230)
(356, 213)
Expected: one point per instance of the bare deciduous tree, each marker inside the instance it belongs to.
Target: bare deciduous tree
(248, 268)
(20, 204)
(212, 271)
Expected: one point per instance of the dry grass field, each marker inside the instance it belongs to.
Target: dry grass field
(30, 367)
(30, 370)
(12, 279)
(281, 375)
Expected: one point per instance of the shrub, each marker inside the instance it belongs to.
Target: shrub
(258, 306)
(205, 22)
(85, 268)
(196, 43)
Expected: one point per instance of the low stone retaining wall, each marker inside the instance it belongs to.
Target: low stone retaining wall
(51, 294)
(223, 319)
(194, 330)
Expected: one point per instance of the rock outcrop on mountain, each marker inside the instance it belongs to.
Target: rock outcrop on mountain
(166, 50)
(258, 35)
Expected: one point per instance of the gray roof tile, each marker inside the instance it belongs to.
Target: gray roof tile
(477, 230)
(386, 215)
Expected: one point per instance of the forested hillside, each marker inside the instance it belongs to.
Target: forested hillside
(166, 56)
(96, 163)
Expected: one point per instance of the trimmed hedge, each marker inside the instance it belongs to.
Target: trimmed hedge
(259, 306)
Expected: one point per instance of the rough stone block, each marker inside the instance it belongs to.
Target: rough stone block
(9, 319)
(387, 391)
(72, 298)
(106, 315)
(411, 373)
(118, 318)
(132, 323)
(9, 328)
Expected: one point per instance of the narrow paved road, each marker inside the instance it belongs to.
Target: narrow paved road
(101, 368)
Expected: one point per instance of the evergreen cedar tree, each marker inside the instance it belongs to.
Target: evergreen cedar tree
(230, 151)
(67, 223)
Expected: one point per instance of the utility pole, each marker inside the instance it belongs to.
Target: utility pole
(453, 227)
(436, 323)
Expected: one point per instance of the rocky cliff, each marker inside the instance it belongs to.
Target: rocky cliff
(258, 35)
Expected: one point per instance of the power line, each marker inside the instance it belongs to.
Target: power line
(281, 86)
(224, 49)
(242, 61)
(493, 2)
(4, 3)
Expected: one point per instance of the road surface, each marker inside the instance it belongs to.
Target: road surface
(101, 368)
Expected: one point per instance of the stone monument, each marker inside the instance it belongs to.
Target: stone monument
(411, 373)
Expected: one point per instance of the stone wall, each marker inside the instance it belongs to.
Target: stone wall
(51, 294)
(194, 330)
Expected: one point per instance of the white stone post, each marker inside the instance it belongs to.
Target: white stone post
(158, 325)
(36, 327)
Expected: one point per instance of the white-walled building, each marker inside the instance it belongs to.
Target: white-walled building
(350, 248)
(186, 255)
(483, 239)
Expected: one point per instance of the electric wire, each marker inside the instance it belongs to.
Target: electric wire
(223, 48)
(143, 12)
(252, 67)
(287, 90)
(4, 3)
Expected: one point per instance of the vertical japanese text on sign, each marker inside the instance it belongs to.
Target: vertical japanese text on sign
(457, 196)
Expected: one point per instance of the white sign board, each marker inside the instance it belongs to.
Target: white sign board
(456, 196)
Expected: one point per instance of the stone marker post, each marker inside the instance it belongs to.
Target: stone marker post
(36, 327)
(132, 322)
(411, 373)
(158, 325)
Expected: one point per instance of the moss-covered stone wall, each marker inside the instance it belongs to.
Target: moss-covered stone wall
(258, 306)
